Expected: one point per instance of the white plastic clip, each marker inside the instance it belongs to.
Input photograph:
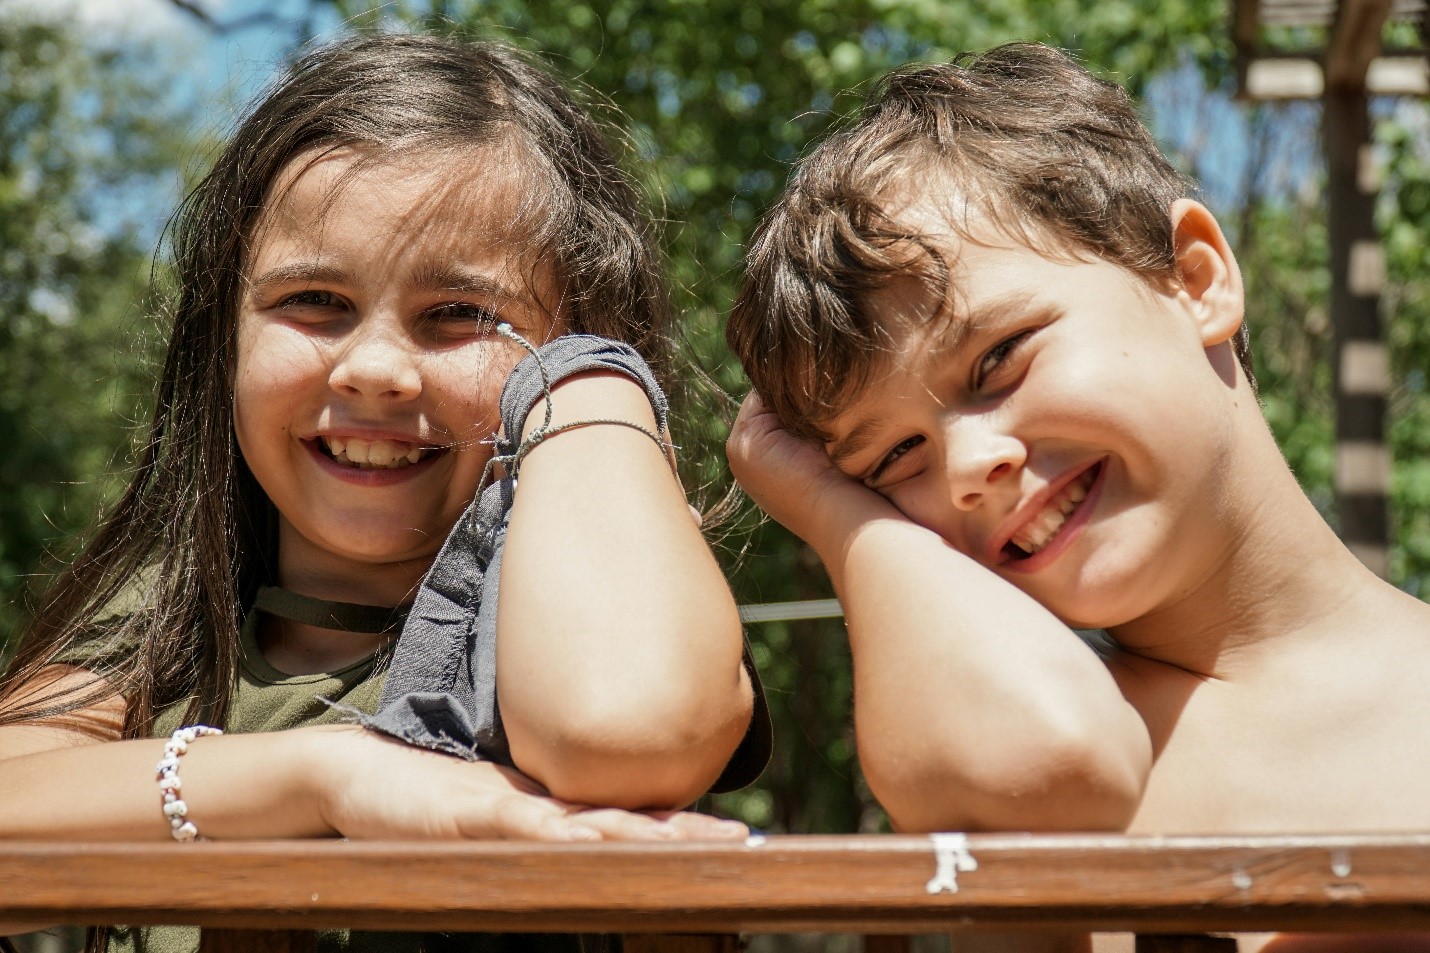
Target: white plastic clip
(951, 857)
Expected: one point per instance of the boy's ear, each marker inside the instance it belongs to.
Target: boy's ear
(1210, 278)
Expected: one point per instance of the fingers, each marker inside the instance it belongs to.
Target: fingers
(517, 816)
(692, 826)
(614, 824)
(752, 406)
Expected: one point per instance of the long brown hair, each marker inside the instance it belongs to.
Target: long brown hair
(153, 602)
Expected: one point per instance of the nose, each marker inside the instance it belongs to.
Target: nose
(980, 458)
(376, 361)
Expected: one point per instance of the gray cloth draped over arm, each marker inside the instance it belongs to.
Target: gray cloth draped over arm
(441, 689)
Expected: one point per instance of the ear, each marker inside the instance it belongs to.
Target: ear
(1210, 279)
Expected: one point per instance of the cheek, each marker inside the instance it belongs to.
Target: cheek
(467, 384)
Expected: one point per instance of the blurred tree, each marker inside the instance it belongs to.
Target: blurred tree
(74, 125)
(719, 97)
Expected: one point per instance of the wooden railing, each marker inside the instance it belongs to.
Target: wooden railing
(684, 896)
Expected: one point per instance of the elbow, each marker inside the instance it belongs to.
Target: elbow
(661, 755)
(1065, 781)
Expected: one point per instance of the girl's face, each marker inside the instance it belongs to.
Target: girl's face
(369, 368)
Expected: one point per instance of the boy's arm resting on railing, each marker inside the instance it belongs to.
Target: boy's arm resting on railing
(976, 709)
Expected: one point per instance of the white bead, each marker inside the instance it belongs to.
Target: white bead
(177, 745)
(185, 833)
(170, 782)
(170, 797)
(176, 809)
(169, 763)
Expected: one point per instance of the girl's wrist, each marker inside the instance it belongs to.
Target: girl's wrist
(325, 758)
(593, 394)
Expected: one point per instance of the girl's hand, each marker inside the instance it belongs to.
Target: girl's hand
(789, 478)
(372, 787)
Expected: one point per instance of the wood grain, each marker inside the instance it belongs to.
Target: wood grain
(825, 884)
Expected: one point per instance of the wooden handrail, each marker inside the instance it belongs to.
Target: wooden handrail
(870, 884)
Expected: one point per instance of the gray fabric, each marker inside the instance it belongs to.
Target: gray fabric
(441, 691)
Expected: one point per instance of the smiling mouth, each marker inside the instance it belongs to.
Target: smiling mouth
(373, 454)
(1043, 528)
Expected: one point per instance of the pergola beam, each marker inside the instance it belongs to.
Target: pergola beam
(1304, 77)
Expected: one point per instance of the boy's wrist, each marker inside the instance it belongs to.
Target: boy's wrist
(837, 511)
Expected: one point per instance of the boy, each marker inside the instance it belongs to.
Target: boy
(1001, 387)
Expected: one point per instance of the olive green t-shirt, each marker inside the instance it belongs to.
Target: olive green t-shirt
(270, 700)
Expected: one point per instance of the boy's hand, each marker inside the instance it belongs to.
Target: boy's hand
(791, 479)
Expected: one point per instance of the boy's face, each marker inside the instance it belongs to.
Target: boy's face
(1062, 422)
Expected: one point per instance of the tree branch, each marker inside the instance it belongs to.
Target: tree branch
(194, 9)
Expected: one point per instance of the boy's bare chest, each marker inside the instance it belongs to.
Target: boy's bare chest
(1296, 756)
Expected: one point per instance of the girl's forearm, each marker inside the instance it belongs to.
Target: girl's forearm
(236, 786)
(975, 707)
(618, 640)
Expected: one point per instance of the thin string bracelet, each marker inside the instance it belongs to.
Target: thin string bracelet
(536, 438)
(176, 811)
(512, 461)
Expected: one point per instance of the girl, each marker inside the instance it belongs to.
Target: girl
(325, 414)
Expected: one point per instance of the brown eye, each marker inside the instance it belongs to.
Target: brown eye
(311, 298)
(997, 355)
(892, 457)
(463, 315)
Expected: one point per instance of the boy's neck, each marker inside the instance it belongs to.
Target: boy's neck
(1282, 575)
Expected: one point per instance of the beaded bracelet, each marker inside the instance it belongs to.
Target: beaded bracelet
(175, 810)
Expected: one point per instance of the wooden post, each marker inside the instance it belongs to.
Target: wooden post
(680, 943)
(1361, 365)
(257, 941)
(1184, 943)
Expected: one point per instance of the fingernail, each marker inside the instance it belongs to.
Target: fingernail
(584, 833)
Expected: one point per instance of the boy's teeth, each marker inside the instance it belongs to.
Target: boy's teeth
(373, 454)
(1036, 533)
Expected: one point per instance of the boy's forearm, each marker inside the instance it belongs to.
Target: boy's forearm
(975, 707)
(618, 639)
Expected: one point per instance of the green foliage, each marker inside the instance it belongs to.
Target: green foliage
(717, 99)
(73, 124)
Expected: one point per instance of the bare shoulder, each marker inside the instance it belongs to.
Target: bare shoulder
(1320, 731)
(100, 720)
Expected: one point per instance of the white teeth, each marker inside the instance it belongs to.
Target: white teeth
(373, 454)
(1036, 533)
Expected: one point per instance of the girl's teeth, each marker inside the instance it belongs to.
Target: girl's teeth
(1077, 492)
(370, 454)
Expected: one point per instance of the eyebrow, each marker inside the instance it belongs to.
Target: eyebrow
(952, 336)
(429, 278)
(856, 440)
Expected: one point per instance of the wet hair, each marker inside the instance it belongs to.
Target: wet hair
(1047, 153)
(194, 536)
